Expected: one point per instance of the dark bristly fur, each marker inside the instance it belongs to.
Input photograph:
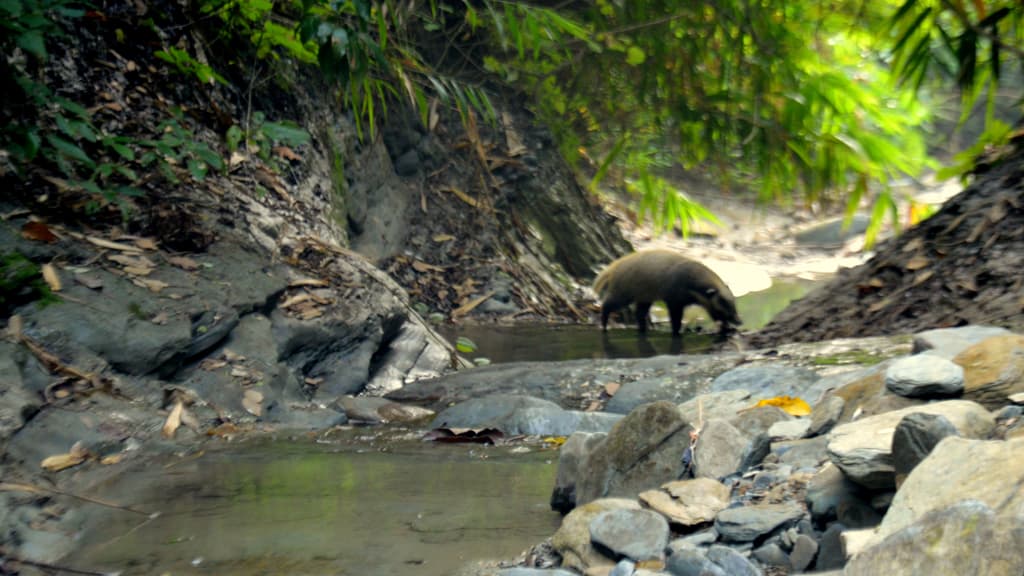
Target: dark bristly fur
(651, 275)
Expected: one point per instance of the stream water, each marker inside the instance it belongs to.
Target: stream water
(304, 509)
(369, 501)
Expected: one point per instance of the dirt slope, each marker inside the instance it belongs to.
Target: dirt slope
(964, 265)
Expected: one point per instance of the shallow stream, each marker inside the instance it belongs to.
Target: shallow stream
(301, 508)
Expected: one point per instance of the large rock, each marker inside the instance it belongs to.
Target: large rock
(993, 369)
(724, 450)
(924, 376)
(514, 414)
(725, 405)
(688, 561)
(915, 437)
(19, 400)
(948, 342)
(830, 491)
(635, 534)
(767, 381)
(958, 469)
(863, 449)
(570, 458)
(647, 390)
(688, 503)
(572, 540)
(963, 538)
(755, 421)
(643, 450)
(747, 523)
(732, 562)
(825, 415)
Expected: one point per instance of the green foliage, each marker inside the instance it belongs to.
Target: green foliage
(176, 146)
(189, 66)
(465, 345)
(262, 135)
(21, 281)
(789, 96)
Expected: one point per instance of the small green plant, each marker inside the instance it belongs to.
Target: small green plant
(21, 282)
(263, 135)
(185, 64)
(177, 145)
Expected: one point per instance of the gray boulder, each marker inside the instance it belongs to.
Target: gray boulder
(825, 415)
(635, 534)
(688, 503)
(966, 537)
(924, 376)
(572, 540)
(570, 458)
(915, 437)
(767, 381)
(724, 450)
(948, 342)
(514, 414)
(863, 449)
(747, 523)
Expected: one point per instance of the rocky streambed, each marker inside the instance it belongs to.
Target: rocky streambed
(908, 460)
(909, 466)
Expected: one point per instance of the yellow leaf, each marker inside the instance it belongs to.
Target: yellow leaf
(789, 404)
(173, 420)
(51, 277)
(251, 401)
(112, 245)
(76, 456)
(443, 238)
(556, 440)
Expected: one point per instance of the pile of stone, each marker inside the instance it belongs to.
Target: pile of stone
(913, 466)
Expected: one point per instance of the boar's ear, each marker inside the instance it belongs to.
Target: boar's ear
(711, 291)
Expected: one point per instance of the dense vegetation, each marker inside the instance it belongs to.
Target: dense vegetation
(820, 100)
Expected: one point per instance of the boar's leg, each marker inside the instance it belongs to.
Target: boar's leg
(643, 309)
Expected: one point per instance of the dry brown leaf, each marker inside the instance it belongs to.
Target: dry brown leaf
(14, 327)
(51, 277)
(923, 277)
(225, 430)
(138, 271)
(314, 381)
(152, 285)
(173, 420)
(102, 243)
(112, 459)
(211, 364)
(914, 245)
(469, 306)
(461, 195)
(146, 243)
(420, 266)
(611, 388)
(308, 282)
(443, 238)
(38, 231)
(184, 262)
(918, 262)
(311, 313)
(251, 401)
(296, 299)
(160, 319)
(131, 261)
(237, 158)
(286, 153)
(59, 462)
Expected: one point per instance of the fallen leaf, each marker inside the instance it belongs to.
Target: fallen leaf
(251, 401)
(461, 195)
(922, 277)
(173, 420)
(146, 243)
(38, 231)
(153, 285)
(556, 440)
(918, 262)
(424, 267)
(102, 243)
(112, 459)
(237, 158)
(611, 388)
(443, 238)
(211, 364)
(296, 300)
(286, 153)
(76, 456)
(184, 262)
(308, 282)
(136, 261)
(14, 326)
(314, 381)
(311, 313)
(51, 277)
(469, 306)
(138, 271)
(232, 356)
(789, 404)
(224, 430)
(160, 319)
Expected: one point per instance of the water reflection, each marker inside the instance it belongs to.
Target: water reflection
(299, 509)
(571, 342)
